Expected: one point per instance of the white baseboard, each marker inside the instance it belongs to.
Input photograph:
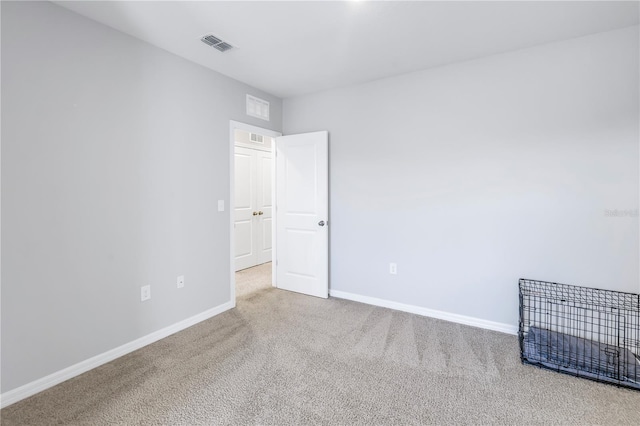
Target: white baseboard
(25, 391)
(426, 312)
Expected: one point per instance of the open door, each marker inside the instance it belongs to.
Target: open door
(302, 210)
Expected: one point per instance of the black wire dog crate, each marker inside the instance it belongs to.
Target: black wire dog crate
(581, 331)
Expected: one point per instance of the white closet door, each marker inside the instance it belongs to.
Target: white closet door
(264, 202)
(244, 209)
(253, 207)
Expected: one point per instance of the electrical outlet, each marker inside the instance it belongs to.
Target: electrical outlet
(220, 205)
(180, 281)
(393, 268)
(145, 293)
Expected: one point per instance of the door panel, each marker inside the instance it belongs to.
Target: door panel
(244, 242)
(301, 261)
(265, 179)
(244, 179)
(300, 172)
(302, 187)
(267, 231)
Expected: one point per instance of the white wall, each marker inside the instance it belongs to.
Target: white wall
(114, 154)
(473, 175)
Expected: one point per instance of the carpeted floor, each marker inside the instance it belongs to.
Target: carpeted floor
(282, 358)
(253, 279)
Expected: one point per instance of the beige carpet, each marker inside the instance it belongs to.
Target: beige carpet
(281, 358)
(253, 279)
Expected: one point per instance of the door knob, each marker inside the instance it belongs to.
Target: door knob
(255, 213)
(321, 223)
(261, 213)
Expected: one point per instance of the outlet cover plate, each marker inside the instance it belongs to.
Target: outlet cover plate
(393, 268)
(145, 293)
(180, 281)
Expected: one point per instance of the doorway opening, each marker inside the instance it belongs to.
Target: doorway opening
(251, 208)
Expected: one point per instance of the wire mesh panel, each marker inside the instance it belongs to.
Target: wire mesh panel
(582, 331)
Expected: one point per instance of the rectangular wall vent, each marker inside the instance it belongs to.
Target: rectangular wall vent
(216, 43)
(256, 138)
(257, 107)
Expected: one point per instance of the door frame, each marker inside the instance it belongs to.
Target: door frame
(233, 126)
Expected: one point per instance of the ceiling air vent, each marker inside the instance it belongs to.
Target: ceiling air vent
(216, 43)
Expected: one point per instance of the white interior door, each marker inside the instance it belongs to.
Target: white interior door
(245, 210)
(302, 210)
(253, 207)
(264, 203)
